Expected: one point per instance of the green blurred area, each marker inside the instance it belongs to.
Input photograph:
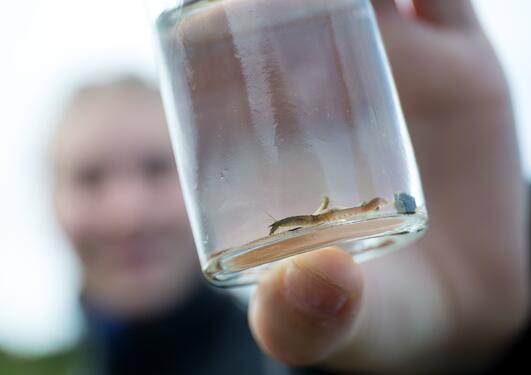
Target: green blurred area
(56, 364)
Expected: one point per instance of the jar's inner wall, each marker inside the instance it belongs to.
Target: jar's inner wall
(274, 107)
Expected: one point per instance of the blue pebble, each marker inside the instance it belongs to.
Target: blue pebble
(405, 203)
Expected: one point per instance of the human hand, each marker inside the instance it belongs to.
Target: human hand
(460, 292)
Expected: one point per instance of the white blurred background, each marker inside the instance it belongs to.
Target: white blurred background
(46, 47)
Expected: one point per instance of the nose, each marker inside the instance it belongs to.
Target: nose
(124, 209)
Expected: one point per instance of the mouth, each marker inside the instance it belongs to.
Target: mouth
(137, 254)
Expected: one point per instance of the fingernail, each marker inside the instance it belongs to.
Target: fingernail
(314, 292)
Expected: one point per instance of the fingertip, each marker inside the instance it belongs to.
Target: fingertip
(381, 6)
(456, 13)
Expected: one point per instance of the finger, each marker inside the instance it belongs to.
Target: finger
(385, 6)
(303, 310)
(455, 13)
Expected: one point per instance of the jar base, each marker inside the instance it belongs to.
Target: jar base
(365, 239)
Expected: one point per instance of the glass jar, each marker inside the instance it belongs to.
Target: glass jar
(287, 130)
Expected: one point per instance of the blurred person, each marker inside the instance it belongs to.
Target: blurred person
(118, 199)
(451, 302)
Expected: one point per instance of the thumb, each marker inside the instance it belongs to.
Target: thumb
(304, 309)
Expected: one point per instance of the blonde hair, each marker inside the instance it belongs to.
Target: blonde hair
(109, 85)
(125, 82)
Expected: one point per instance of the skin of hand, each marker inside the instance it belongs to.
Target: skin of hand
(456, 297)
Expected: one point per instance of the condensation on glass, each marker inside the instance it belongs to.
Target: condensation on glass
(287, 131)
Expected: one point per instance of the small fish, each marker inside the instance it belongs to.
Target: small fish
(325, 215)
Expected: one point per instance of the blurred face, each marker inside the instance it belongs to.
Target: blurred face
(118, 199)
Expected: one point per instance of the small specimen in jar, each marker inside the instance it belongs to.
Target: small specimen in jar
(326, 215)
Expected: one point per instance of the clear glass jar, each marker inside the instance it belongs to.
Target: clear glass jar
(287, 131)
